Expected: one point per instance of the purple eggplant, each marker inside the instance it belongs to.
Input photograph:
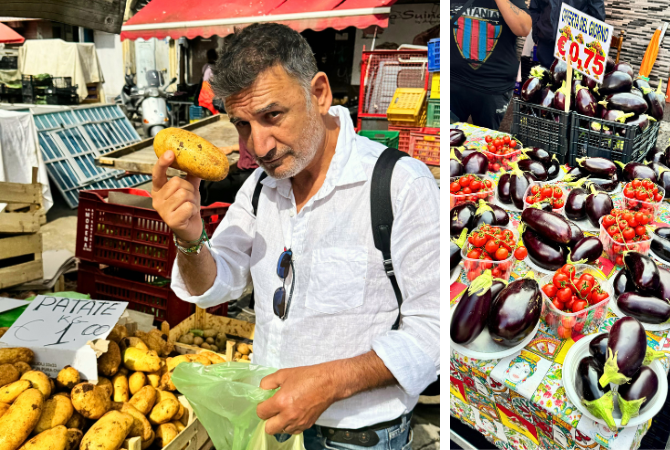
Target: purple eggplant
(516, 312)
(544, 253)
(518, 185)
(466, 152)
(655, 101)
(543, 205)
(560, 97)
(531, 90)
(641, 121)
(598, 400)
(585, 102)
(603, 185)
(626, 68)
(663, 232)
(587, 251)
(615, 82)
(658, 168)
(454, 256)
(609, 65)
(487, 213)
(538, 154)
(575, 204)
(661, 248)
(637, 92)
(598, 204)
(549, 225)
(655, 154)
(614, 115)
(546, 98)
(634, 170)
(535, 167)
(590, 83)
(455, 167)
(576, 173)
(626, 102)
(472, 312)
(664, 182)
(553, 169)
(622, 283)
(641, 84)
(559, 70)
(576, 234)
(504, 188)
(462, 218)
(456, 137)
(542, 74)
(635, 395)
(647, 309)
(475, 162)
(496, 288)
(598, 166)
(643, 271)
(626, 351)
(598, 347)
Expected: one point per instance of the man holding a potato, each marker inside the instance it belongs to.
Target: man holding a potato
(325, 309)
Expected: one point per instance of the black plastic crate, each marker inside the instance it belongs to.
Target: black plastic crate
(537, 126)
(612, 140)
(9, 62)
(27, 85)
(62, 82)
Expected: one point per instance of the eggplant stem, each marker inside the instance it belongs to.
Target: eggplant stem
(603, 408)
(482, 283)
(483, 206)
(652, 355)
(453, 155)
(629, 409)
(581, 261)
(462, 238)
(611, 372)
(622, 165)
(659, 90)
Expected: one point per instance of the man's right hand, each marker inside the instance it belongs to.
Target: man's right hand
(177, 201)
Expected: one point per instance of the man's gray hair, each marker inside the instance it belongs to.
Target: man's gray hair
(251, 50)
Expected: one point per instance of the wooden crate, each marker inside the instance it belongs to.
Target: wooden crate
(23, 213)
(201, 320)
(27, 249)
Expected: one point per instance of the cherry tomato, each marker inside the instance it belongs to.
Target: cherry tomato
(640, 230)
(497, 273)
(506, 140)
(612, 230)
(564, 294)
(488, 139)
(579, 305)
(569, 303)
(629, 193)
(564, 333)
(598, 296)
(534, 189)
(454, 187)
(480, 240)
(464, 181)
(502, 253)
(492, 148)
(619, 260)
(558, 192)
(558, 203)
(658, 197)
(475, 185)
(487, 262)
(568, 321)
(550, 290)
(639, 217)
(627, 216)
(636, 183)
(560, 306)
(547, 191)
(588, 277)
(512, 144)
(628, 233)
(491, 247)
(641, 195)
(498, 142)
(570, 271)
(560, 279)
(521, 253)
(608, 221)
(475, 253)
(648, 184)
(496, 167)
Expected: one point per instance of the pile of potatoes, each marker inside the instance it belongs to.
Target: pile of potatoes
(210, 339)
(134, 397)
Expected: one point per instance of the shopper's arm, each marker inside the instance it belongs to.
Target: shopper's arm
(516, 18)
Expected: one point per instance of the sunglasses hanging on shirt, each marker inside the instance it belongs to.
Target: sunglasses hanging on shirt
(279, 301)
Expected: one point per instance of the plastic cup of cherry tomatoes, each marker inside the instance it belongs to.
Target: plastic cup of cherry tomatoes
(575, 300)
(643, 194)
(501, 152)
(471, 188)
(543, 193)
(489, 247)
(623, 230)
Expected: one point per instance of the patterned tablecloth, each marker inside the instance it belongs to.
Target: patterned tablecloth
(519, 402)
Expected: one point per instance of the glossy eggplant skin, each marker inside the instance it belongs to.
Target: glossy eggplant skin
(663, 232)
(518, 186)
(498, 217)
(597, 206)
(641, 84)
(590, 248)
(626, 68)
(475, 162)
(603, 185)
(544, 253)
(576, 234)
(559, 101)
(664, 287)
(664, 182)
(496, 288)
(454, 256)
(577, 173)
(626, 102)
(586, 103)
(575, 204)
(456, 137)
(598, 166)
(628, 342)
(553, 169)
(641, 121)
(549, 225)
(589, 371)
(644, 308)
(462, 216)
(534, 167)
(516, 312)
(540, 155)
(455, 168)
(598, 347)
(661, 248)
(614, 82)
(531, 90)
(622, 283)
(643, 271)
(609, 65)
(656, 103)
(634, 170)
(589, 83)
(612, 115)
(545, 206)
(470, 316)
(559, 70)
(546, 98)
(656, 155)
(656, 167)
(504, 188)
(643, 385)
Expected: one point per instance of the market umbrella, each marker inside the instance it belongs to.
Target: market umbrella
(652, 52)
(9, 36)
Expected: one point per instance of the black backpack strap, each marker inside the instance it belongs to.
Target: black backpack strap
(257, 192)
(381, 208)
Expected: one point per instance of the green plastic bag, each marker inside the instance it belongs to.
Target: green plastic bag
(263, 441)
(224, 398)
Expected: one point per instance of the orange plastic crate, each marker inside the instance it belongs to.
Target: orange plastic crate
(403, 138)
(425, 147)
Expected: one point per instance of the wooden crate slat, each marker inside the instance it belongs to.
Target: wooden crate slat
(20, 245)
(21, 273)
(28, 222)
(20, 193)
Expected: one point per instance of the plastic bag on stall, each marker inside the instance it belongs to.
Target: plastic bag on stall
(263, 441)
(224, 398)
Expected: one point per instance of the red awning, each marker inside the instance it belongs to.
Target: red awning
(193, 18)
(9, 36)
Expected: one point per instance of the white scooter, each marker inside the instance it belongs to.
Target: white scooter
(153, 107)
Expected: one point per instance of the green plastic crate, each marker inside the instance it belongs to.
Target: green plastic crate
(433, 114)
(388, 138)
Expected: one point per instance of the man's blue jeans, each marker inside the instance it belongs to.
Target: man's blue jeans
(397, 437)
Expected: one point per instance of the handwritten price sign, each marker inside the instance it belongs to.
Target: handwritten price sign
(585, 40)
